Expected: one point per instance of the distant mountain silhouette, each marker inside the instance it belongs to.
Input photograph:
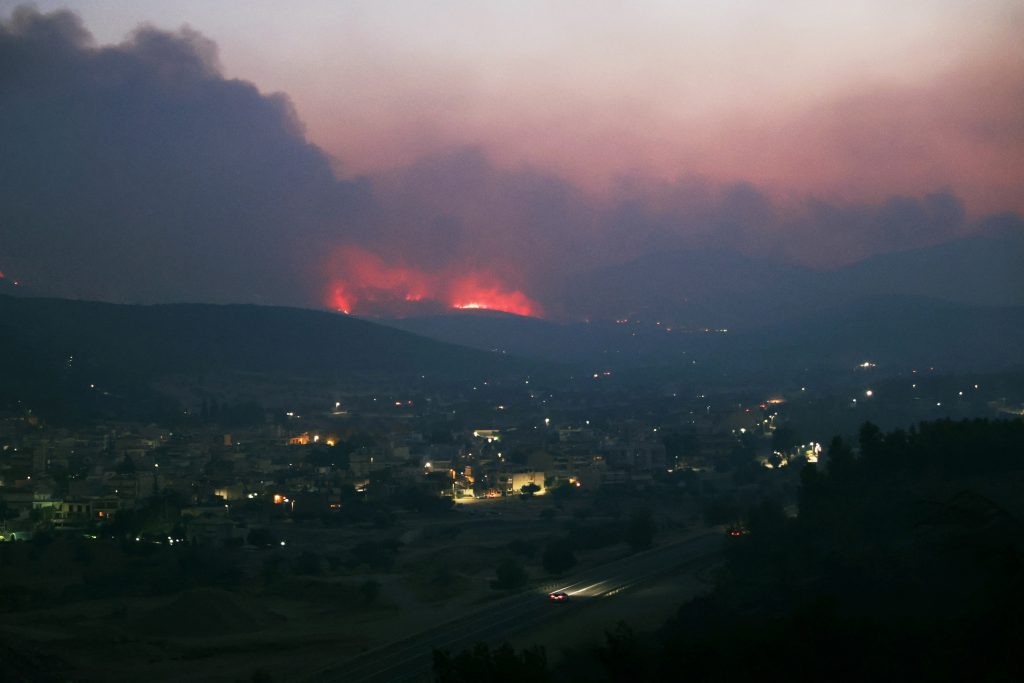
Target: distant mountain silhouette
(598, 342)
(896, 331)
(496, 331)
(706, 287)
(983, 269)
(719, 288)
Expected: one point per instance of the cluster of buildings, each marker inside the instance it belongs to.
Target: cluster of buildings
(59, 479)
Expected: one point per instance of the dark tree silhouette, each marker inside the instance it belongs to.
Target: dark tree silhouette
(640, 531)
(510, 575)
(558, 556)
(500, 665)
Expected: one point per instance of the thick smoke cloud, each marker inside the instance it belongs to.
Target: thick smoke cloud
(461, 208)
(458, 208)
(137, 172)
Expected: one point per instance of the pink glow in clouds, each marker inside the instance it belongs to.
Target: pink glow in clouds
(487, 154)
(847, 101)
(841, 102)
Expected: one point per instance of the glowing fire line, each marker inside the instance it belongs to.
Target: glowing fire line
(362, 282)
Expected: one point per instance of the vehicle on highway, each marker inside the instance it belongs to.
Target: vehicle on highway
(558, 596)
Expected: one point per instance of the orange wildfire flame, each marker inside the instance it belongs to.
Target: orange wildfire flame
(363, 282)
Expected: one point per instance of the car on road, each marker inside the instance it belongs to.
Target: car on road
(558, 596)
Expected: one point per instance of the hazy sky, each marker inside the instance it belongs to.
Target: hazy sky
(583, 108)
(770, 93)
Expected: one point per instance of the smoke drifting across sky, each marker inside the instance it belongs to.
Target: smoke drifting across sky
(138, 171)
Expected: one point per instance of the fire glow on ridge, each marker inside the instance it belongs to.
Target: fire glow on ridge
(362, 282)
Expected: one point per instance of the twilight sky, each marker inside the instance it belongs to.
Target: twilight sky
(457, 152)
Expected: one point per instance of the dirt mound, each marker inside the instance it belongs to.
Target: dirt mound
(202, 613)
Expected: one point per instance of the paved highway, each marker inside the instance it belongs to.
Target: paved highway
(411, 658)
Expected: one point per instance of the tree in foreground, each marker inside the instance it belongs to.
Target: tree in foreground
(640, 532)
(500, 665)
(558, 556)
(510, 576)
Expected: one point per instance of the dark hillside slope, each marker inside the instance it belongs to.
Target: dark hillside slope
(51, 337)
